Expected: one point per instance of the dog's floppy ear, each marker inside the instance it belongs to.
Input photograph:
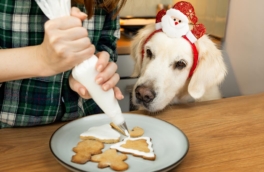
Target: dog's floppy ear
(136, 47)
(210, 70)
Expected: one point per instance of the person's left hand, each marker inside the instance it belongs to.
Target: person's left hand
(107, 77)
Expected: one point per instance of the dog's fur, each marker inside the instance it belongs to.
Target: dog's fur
(161, 83)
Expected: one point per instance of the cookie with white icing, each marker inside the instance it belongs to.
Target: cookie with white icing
(140, 147)
(104, 133)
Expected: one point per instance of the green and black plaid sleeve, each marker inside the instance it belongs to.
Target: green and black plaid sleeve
(39, 101)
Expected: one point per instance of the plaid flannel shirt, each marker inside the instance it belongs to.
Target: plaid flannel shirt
(38, 101)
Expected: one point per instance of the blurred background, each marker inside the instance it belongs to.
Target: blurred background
(212, 13)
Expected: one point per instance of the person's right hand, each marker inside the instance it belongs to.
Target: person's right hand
(65, 44)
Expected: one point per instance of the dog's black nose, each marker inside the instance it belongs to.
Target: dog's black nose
(145, 94)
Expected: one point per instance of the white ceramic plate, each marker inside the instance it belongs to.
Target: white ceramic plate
(169, 143)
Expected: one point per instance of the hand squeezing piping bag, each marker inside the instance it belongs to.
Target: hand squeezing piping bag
(85, 73)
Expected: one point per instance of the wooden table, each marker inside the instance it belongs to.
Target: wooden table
(225, 135)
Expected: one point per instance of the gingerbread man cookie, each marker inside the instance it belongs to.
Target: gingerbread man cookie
(110, 158)
(85, 149)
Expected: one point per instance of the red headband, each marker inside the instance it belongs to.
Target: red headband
(183, 12)
(146, 40)
(194, 50)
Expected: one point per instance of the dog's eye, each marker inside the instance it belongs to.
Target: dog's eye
(179, 64)
(149, 53)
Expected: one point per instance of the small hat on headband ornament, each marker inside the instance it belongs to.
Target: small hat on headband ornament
(175, 22)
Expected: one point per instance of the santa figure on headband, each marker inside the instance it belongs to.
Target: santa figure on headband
(175, 22)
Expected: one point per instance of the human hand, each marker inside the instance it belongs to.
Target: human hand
(65, 44)
(107, 78)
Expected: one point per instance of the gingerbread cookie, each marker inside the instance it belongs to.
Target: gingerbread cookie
(110, 158)
(104, 133)
(117, 128)
(136, 132)
(85, 149)
(140, 146)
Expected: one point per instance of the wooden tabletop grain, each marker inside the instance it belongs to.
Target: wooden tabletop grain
(225, 135)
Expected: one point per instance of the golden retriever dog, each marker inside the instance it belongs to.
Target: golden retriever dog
(164, 70)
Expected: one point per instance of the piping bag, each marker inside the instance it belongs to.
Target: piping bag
(85, 72)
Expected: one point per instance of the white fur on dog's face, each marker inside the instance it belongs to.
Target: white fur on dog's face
(166, 83)
(160, 71)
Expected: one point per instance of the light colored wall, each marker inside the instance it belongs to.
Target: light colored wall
(139, 8)
(243, 48)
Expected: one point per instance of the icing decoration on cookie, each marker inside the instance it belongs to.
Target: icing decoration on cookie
(141, 146)
(104, 133)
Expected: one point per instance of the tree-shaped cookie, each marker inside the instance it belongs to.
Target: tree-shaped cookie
(110, 158)
(140, 147)
(85, 149)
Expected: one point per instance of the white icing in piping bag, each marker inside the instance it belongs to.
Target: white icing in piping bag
(55, 8)
(85, 72)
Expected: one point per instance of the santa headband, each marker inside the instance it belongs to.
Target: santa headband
(175, 24)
